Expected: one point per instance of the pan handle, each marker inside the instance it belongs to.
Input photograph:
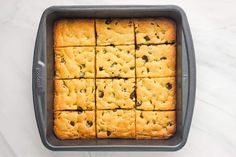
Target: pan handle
(39, 80)
(192, 73)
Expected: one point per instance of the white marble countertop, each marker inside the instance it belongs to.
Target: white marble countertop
(213, 130)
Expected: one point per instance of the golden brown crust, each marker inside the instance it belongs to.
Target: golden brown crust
(75, 62)
(116, 124)
(76, 94)
(115, 93)
(155, 124)
(156, 61)
(156, 93)
(155, 30)
(74, 32)
(73, 125)
(115, 32)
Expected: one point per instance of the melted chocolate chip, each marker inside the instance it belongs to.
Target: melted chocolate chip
(101, 68)
(89, 123)
(80, 110)
(145, 58)
(163, 58)
(108, 21)
(108, 133)
(147, 38)
(138, 103)
(132, 95)
(168, 85)
(100, 94)
(72, 123)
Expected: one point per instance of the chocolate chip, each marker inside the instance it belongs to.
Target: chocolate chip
(132, 95)
(137, 47)
(158, 37)
(72, 123)
(163, 58)
(63, 60)
(100, 94)
(148, 70)
(169, 124)
(113, 64)
(132, 68)
(80, 110)
(108, 21)
(153, 121)
(108, 28)
(145, 58)
(101, 68)
(116, 23)
(168, 85)
(141, 115)
(108, 133)
(138, 103)
(152, 23)
(112, 45)
(89, 123)
(83, 90)
(147, 38)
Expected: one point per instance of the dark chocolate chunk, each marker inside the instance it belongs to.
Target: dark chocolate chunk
(147, 38)
(163, 58)
(108, 133)
(100, 94)
(132, 95)
(101, 68)
(108, 21)
(89, 123)
(145, 58)
(72, 123)
(168, 85)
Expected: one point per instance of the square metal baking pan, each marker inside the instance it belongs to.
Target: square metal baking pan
(43, 74)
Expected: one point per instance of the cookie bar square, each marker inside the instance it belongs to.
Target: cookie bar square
(155, 31)
(115, 61)
(155, 124)
(75, 62)
(115, 31)
(155, 61)
(74, 32)
(76, 94)
(73, 125)
(115, 123)
(115, 93)
(156, 93)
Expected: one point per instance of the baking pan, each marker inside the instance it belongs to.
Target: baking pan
(43, 74)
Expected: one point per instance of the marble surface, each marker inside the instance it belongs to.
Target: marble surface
(213, 130)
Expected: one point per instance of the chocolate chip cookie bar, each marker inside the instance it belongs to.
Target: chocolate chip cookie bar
(115, 32)
(116, 124)
(115, 93)
(74, 32)
(155, 124)
(76, 94)
(115, 61)
(73, 125)
(155, 60)
(156, 93)
(155, 31)
(75, 62)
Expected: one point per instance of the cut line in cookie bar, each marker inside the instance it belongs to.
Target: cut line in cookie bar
(74, 124)
(115, 93)
(74, 32)
(155, 124)
(115, 61)
(156, 93)
(74, 62)
(155, 60)
(115, 31)
(116, 123)
(155, 31)
(75, 94)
